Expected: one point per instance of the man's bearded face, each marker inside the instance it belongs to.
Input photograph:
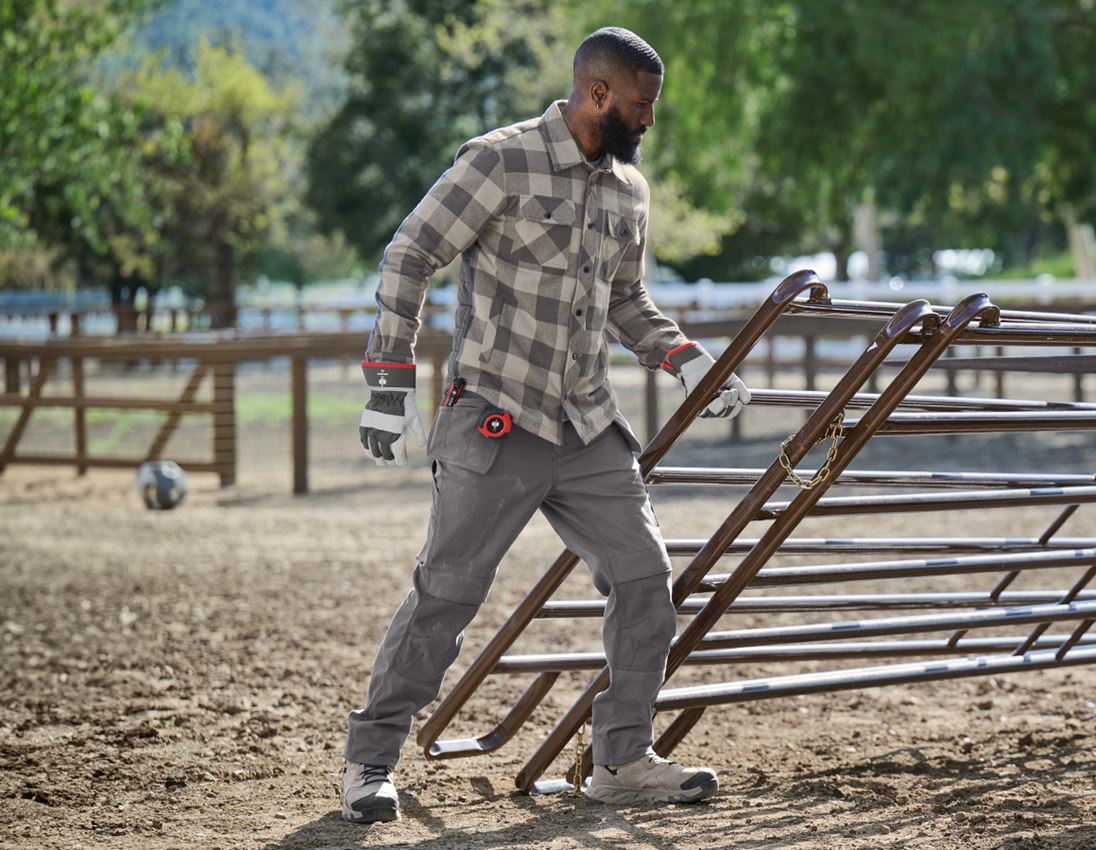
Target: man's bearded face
(619, 139)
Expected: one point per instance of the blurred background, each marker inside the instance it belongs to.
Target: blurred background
(213, 156)
(184, 172)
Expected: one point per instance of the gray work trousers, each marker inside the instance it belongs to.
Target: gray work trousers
(485, 491)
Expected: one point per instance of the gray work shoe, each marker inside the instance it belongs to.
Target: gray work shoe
(651, 779)
(368, 794)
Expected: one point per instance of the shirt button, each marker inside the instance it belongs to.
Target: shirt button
(585, 269)
(578, 312)
(574, 357)
(590, 226)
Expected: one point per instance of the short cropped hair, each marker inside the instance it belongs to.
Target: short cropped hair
(610, 51)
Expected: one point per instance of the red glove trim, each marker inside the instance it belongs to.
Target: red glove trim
(666, 364)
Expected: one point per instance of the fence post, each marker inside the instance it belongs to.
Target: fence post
(438, 367)
(952, 376)
(300, 424)
(1078, 382)
(79, 414)
(224, 421)
(810, 362)
(999, 384)
(11, 374)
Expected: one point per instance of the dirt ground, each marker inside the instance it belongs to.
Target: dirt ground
(181, 679)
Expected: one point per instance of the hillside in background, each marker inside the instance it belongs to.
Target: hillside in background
(300, 41)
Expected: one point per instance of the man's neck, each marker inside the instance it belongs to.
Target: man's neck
(585, 136)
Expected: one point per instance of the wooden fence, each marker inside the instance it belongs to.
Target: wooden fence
(215, 357)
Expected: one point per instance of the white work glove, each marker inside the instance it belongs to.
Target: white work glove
(390, 412)
(689, 363)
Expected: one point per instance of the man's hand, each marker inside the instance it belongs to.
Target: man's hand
(390, 412)
(689, 363)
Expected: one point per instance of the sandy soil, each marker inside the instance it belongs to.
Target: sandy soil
(181, 679)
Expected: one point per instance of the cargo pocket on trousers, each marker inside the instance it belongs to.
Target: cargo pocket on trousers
(455, 440)
(456, 565)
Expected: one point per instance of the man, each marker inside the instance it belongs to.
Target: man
(550, 218)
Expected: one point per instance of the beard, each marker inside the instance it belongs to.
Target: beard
(619, 139)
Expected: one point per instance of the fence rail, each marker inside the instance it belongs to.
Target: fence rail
(216, 357)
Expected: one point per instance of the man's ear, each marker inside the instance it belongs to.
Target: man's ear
(599, 94)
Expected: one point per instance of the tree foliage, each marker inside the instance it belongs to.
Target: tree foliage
(423, 77)
(66, 147)
(232, 191)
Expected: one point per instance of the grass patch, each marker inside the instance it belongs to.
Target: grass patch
(278, 407)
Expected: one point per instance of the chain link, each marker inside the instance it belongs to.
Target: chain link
(834, 433)
(576, 776)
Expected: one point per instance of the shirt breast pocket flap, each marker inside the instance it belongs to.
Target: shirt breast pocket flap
(621, 233)
(455, 440)
(622, 228)
(544, 227)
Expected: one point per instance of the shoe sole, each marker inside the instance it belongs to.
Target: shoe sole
(628, 796)
(374, 814)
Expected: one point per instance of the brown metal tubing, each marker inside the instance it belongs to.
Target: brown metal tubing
(1044, 539)
(679, 699)
(868, 545)
(976, 619)
(918, 365)
(916, 502)
(914, 313)
(1070, 595)
(732, 357)
(803, 398)
(1074, 639)
(1062, 364)
(977, 423)
(870, 478)
(506, 728)
(591, 608)
(884, 308)
(577, 661)
(769, 311)
(1026, 335)
(913, 568)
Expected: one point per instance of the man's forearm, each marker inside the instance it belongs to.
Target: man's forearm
(642, 328)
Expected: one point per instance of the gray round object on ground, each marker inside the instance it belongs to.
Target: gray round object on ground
(161, 484)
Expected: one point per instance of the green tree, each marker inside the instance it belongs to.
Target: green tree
(65, 147)
(423, 77)
(234, 190)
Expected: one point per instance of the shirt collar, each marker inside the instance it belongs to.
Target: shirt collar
(564, 150)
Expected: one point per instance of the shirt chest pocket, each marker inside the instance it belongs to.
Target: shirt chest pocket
(544, 228)
(620, 240)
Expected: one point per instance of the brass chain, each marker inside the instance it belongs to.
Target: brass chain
(835, 431)
(580, 749)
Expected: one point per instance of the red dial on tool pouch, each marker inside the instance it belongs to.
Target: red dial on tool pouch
(494, 424)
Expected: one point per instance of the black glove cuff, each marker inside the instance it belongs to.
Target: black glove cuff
(389, 376)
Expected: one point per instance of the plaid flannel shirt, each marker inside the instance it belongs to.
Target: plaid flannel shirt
(553, 255)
